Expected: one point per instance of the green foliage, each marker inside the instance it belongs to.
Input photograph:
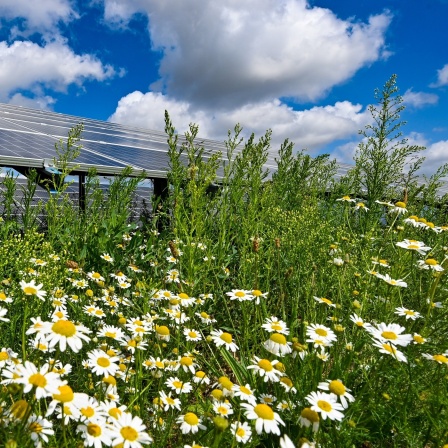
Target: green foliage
(382, 155)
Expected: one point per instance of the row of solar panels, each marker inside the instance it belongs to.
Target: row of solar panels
(28, 136)
(140, 202)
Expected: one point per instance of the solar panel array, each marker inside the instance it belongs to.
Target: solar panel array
(28, 136)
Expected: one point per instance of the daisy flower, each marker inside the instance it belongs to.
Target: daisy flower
(326, 405)
(222, 408)
(4, 298)
(391, 333)
(205, 318)
(112, 332)
(266, 369)
(324, 300)
(192, 335)
(409, 314)
(387, 278)
(278, 345)
(337, 388)
(346, 199)
(244, 393)
(102, 364)
(308, 418)
(107, 258)
(190, 422)
(39, 428)
(178, 386)
(220, 338)
(359, 321)
(418, 246)
(388, 349)
(265, 418)
(399, 208)
(95, 434)
(320, 332)
(31, 289)
(257, 294)
(201, 377)
(130, 431)
(95, 276)
(44, 382)
(418, 339)
(273, 324)
(241, 431)
(439, 358)
(241, 295)
(65, 332)
(92, 411)
(431, 264)
(169, 402)
(361, 206)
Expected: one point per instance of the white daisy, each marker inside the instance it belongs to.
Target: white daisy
(265, 418)
(326, 405)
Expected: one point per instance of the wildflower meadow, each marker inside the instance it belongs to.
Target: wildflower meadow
(277, 309)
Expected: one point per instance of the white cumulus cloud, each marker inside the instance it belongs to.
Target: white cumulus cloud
(419, 99)
(442, 77)
(229, 53)
(28, 66)
(311, 129)
(39, 16)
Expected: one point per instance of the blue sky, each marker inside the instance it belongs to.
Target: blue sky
(307, 70)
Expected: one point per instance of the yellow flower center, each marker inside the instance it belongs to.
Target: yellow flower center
(321, 332)
(389, 335)
(285, 380)
(129, 433)
(204, 315)
(2, 296)
(192, 334)
(103, 362)
(310, 415)
(431, 262)
(64, 328)
(256, 293)
(115, 412)
(222, 410)
(337, 387)
(35, 427)
(413, 246)
(240, 432)
(324, 405)
(245, 390)
(182, 295)
(178, 384)
(226, 337)
(264, 411)
(65, 394)
(94, 430)
(186, 361)
(200, 374)
(265, 364)
(409, 312)
(225, 382)
(389, 348)
(87, 412)
(240, 293)
(327, 301)
(4, 356)
(278, 338)
(440, 358)
(37, 380)
(30, 290)
(163, 330)
(400, 204)
(191, 418)
(419, 339)
(276, 326)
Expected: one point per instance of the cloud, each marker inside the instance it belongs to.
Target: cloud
(311, 129)
(38, 16)
(442, 77)
(419, 99)
(226, 54)
(29, 66)
(435, 154)
(44, 102)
